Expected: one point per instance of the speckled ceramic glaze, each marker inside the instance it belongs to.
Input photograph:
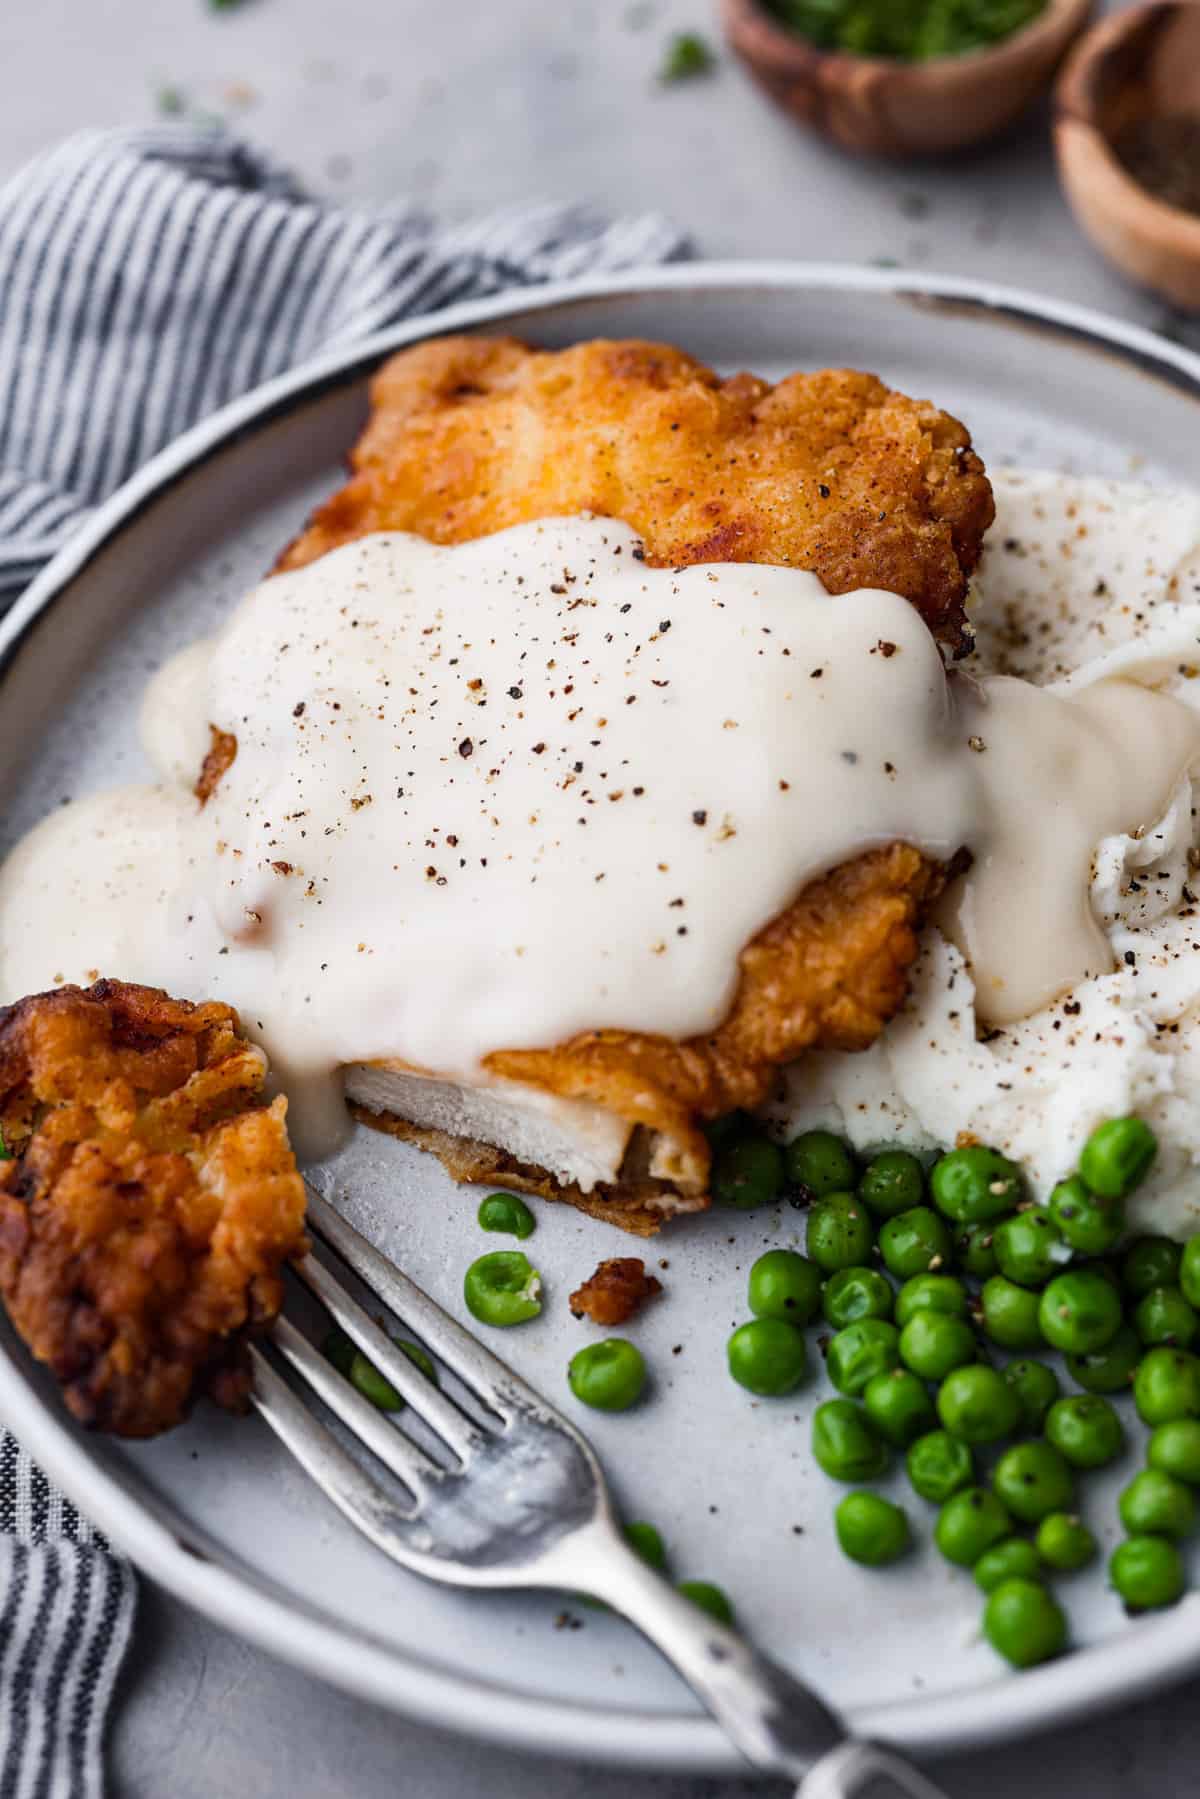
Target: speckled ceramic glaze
(215, 1511)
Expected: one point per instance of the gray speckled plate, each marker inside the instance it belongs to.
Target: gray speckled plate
(215, 1511)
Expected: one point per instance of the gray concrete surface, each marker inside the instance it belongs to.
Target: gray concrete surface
(460, 109)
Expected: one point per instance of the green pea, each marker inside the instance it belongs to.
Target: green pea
(1112, 1368)
(977, 1405)
(932, 1344)
(822, 1163)
(871, 1530)
(939, 1466)
(1030, 1248)
(914, 1242)
(1150, 1262)
(932, 1293)
(975, 1249)
(645, 1541)
(1010, 1314)
(1117, 1157)
(1147, 1572)
(1065, 1543)
(608, 1376)
(898, 1406)
(1036, 1388)
(726, 1129)
(1167, 1386)
(373, 1385)
(1164, 1316)
(355, 1367)
(710, 1599)
(1033, 1480)
(968, 1525)
(870, 1347)
(420, 1358)
(1091, 1224)
(845, 1444)
(748, 1172)
(785, 1285)
(1086, 1429)
(1156, 1504)
(976, 1184)
(854, 1293)
(1079, 1312)
(892, 1182)
(505, 1212)
(767, 1356)
(1024, 1623)
(1012, 1558)
(1175, 1449)
(1189, 1272)
(503, 1288)
(339, 1349)
(839, 1232)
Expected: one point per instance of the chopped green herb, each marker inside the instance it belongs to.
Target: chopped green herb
(6, 1154)
(905, 30)
(688, 54)
(171, 101)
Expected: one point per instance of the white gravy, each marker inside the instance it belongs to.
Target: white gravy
(493, 795)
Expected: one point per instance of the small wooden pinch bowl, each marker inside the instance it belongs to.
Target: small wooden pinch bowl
(1141, 65)
(888, 108)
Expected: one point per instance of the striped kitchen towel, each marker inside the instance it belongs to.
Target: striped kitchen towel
(66, 1611)
(146, 277)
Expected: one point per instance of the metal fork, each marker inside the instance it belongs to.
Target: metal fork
(515, 1497)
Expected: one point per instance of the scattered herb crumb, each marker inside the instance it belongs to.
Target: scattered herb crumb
(687, 55)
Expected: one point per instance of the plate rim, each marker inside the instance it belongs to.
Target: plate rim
(1167, 1647)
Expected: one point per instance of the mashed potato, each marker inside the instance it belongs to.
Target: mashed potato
(1080, 577)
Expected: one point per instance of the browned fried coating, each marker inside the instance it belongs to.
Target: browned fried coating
(619, 1288)
(636, 1204)
(832, 472)
(148, 1203)
(222, 749)
(829, 972)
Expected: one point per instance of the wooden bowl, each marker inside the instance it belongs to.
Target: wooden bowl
(892, 108)
(1139, 65)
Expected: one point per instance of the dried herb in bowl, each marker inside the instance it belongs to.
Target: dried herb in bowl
(905, 30)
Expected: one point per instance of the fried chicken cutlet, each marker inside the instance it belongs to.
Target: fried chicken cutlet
(831, 472)
(148, 1200)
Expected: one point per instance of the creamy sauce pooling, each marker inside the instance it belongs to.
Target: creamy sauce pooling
(492, 795)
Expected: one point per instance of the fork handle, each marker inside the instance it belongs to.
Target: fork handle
(866, 1768)
(777, 1722)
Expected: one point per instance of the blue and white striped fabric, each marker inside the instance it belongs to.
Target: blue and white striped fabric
(66, 1611)
(146, 277)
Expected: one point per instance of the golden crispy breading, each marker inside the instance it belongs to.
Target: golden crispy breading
(828, 973)
(832, 472)
(619, 1288)
(637, 1204)
(149, 1202)
(222, 748)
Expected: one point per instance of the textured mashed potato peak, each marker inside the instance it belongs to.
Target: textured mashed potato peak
(1077, 571)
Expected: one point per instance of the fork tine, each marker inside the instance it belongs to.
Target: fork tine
(489, 1377)
(441, 1414)
(392, 1447)
(319, 1453)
